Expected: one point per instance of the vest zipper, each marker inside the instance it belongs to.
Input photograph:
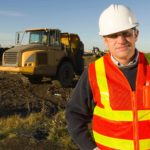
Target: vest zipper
(135, 122)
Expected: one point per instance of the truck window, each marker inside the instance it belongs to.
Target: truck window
(54, 38)
(22, 38)
(34, 38)
(38, 37)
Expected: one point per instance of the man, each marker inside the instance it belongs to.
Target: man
(114, 92)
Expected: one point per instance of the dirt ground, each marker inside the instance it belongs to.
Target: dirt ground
(17, 95)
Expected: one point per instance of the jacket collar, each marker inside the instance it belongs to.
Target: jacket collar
(132, 63)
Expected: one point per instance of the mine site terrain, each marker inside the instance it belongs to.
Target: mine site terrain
(32, 115)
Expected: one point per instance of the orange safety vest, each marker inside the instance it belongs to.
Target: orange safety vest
(121, 117)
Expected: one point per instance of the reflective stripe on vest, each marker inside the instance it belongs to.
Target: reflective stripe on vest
(102, 82)
(123, 115)
(120, 144)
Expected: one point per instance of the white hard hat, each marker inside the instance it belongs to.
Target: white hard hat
(116, 18)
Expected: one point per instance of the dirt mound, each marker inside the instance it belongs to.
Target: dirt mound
(19, 96)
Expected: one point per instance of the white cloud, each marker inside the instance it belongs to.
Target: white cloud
(10, 13)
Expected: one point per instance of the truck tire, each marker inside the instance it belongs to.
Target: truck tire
(65, 74)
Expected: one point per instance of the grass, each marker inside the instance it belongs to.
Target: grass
(35, 132)
(148, 57)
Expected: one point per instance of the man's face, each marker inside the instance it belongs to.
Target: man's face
(122, 44)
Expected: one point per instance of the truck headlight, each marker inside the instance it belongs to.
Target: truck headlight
(28, 59)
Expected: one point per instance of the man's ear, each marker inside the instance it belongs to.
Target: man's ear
(136, 34)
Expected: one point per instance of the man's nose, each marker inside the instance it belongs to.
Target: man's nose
(121, 38)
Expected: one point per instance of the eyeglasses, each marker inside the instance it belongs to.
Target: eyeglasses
(126, 34)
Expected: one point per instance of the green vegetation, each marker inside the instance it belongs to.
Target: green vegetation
(148, 57)
(35, 132)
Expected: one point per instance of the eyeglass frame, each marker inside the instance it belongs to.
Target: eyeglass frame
(125, 34)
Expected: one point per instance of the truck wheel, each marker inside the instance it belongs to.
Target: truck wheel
(65, 74)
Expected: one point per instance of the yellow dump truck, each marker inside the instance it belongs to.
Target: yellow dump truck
(45, 52)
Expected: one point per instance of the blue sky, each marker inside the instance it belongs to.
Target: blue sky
(75, 16)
